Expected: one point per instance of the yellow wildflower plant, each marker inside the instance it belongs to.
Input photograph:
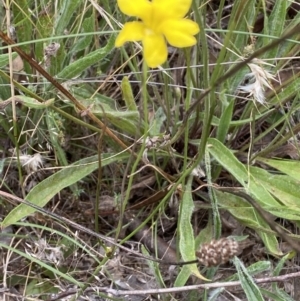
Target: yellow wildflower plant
(160, 21)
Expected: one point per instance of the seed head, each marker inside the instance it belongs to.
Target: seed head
(217, 252)
(259, 79)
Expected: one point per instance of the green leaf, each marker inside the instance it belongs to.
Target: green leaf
(44, 29)
(187, 243)
(128, 95)
(85, 41)
(86, 95)
(288, 92)
(5, 89)
(33, 103)
(183, 276)
(276, 25)
(42, 193)
(205, 235)
(217, 122)
(4, 59)
(256, 268)
(226, 158)
(280, 265)
(126, 121)
(225, 120)
(80, 65)
(248, 216)
(22, 13)
(289, 167)
(157, 122)
(54, 128)
(283, 187)
(249, 286)
(186, 232)
(64, 15)
(2, 163)
(34, 287)
(276, 296)
(254, 185)
(242, 14)
(153, 266)
(103, 106)
(284, 212)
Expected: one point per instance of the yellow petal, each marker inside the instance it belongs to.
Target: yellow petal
(131, 32)
(155, 50)
(180, 33)
(171, 8)
(135, 8)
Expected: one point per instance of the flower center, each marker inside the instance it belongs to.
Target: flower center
(153, 21)
(149, 31)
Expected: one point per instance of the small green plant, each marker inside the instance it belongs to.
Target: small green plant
(172, 144)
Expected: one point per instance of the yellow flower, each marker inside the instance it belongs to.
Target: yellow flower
(160, 21)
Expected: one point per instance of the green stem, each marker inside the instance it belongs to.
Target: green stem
(145, 97)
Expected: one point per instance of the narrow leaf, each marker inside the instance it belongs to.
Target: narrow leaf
(128, 95)
(225, 120)
(85, 41)
(289, 167)
(65, 15)
(283, 187)
(80, 65)
(226, 158)
(249, 286)
(247, 215)
(187, 240)
(33, 103)
(42, 193)
(4, 59)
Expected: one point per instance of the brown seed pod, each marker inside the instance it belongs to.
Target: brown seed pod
(217, 252)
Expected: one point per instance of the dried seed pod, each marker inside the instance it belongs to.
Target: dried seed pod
(50, 51)
(217, 252)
